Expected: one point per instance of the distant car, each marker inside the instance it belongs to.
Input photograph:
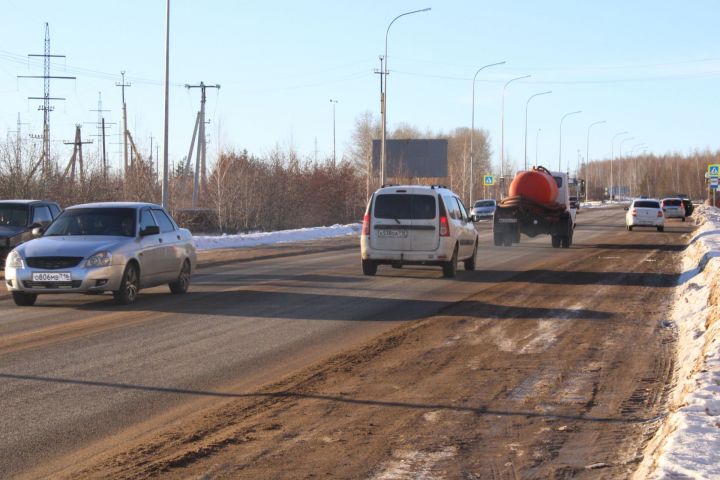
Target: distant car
(645, 213)
(417, 225)
(483, 208)
(687, 203)
(19, 217)
(673, 208)
(99, 247)
(574, 203)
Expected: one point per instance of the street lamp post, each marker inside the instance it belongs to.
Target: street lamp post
(526, 118)
(166, 175)
(502, 125)
(383, 95)
(587, 157)
(612, 161)
(560, 145)
(472, 128)
(334, 102)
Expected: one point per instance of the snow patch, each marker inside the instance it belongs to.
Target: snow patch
(688, 443)
(212, 242)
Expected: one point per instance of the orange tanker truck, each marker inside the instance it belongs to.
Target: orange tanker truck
(538, 204)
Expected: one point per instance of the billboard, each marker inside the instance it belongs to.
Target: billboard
(412, 158)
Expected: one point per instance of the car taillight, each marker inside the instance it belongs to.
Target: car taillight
(660, 214)
(444, 227)
(366, 225)
(634, 212)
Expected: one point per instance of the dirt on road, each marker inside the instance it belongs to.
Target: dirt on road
(556, 372)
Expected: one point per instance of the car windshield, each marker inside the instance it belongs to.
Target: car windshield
(13, 215)
(115, 222)
(646, 204)
(484, 203)
(408, 207)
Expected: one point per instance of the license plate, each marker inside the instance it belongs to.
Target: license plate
(393, 233)
(507, 220)
(51, 277)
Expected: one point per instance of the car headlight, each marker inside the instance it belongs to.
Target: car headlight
(101, 259)
(14, 260)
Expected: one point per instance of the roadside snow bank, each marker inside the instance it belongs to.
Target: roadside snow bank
(254, 239)
(688, 444)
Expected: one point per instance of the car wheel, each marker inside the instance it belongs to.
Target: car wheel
(472, 261)
(683, 219)
(556, 241)
(660, 229)
(630, 227)
(450, 268)
(369, 267)
(23, 299)
(129, 286)
(183, 282)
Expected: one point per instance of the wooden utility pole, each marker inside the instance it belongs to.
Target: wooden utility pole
(202, 145)
(76, 156)
(125, 130)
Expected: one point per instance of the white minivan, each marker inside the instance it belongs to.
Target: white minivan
(417, 225)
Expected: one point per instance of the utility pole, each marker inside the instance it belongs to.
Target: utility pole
(200, 126)
(101, 125)
(46, 98)
(334, 102)
(76, 156)
(18, 147)
(382, 74)
(125, 130)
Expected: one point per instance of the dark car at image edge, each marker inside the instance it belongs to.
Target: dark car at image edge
(19, 217)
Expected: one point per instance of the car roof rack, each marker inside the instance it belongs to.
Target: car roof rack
(437, 186)
(384, 185)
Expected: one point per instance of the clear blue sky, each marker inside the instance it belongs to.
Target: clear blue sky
(651, 68)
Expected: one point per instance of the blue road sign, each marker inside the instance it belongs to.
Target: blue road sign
(488, 180)
(714, 170)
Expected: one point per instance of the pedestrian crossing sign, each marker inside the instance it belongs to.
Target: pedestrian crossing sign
(714, 170)
(488, 180)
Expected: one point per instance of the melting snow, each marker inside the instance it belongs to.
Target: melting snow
(268, 238)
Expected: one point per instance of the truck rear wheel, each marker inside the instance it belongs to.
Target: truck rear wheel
(498, 238)
(369, 267)
(555, 241)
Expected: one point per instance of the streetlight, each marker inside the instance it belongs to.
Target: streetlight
(587, 158)
(502, 124)
(536, 144)
(166, 175)
(623, 141)
(526, 117)
(612, 161)
(383, 95)
(560, 146)
(472, 128)
(334, 102)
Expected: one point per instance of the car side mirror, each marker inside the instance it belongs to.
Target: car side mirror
(37, 231)
(151, 230)
(626, 208)
(474, 218)
(35, 225)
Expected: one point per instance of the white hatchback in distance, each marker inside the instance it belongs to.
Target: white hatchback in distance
(673, 208)
(417, 225)
(645, 212)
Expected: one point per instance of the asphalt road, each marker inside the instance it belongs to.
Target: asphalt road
(76, 370)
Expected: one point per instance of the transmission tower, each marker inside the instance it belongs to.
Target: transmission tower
(101, 125)
(46, 98)
(200, 165)
(18, 144)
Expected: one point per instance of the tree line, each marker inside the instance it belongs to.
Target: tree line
(281, 190)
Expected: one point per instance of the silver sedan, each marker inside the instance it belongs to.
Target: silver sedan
(114, 247)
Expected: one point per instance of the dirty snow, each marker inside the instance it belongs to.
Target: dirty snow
(268, 238)
(688, 444)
